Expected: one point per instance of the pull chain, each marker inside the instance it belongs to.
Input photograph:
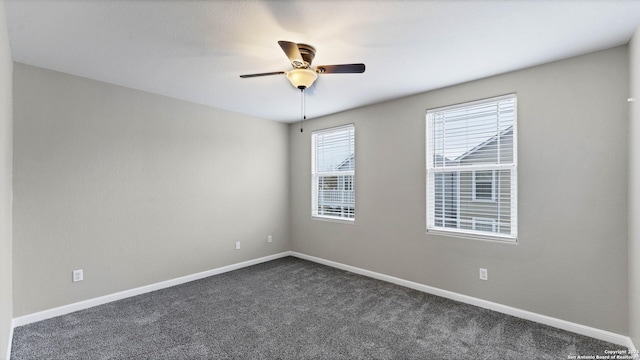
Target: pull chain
(303, 105)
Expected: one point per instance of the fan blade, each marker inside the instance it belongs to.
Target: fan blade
(262, 74)
(340, 69)
(292, 51)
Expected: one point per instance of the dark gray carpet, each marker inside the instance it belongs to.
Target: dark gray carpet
(293, 309)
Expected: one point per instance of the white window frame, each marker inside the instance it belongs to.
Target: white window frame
(316, 175)
(431, 169)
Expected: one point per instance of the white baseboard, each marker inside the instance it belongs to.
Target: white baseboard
(543, 319)
(66, 309)
(524, 314)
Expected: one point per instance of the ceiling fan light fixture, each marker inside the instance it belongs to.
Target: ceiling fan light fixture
(302, 78)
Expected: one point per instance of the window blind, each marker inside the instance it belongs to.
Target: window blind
(333, 173)
(471, 168)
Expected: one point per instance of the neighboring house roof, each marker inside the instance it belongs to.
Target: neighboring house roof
(503, 133)
(346, 162)
(439, 159)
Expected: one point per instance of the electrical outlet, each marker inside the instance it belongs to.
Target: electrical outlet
(237, 245)
(484, 275)
(269, 238)
(77, 275)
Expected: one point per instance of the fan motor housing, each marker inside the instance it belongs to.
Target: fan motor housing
(307, 52)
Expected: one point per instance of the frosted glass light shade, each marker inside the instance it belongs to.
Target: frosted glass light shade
(302, 78)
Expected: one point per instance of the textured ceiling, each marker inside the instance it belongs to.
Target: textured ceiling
(196, 50)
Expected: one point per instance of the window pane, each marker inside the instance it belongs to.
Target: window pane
(478, 134)
(335, 150)
(336, 196)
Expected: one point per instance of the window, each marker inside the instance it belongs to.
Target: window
(472, 169)
(484, 224)
(332, 173)
(484, 185)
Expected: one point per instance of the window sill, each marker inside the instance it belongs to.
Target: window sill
(496, 239)
(333, 219)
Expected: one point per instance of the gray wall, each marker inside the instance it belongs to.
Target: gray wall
(571, 258)
(6, 151)
(135, 188)
(634, 190)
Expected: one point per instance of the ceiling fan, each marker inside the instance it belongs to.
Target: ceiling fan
(303, 74)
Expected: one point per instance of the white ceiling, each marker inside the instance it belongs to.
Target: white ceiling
(196, 50)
